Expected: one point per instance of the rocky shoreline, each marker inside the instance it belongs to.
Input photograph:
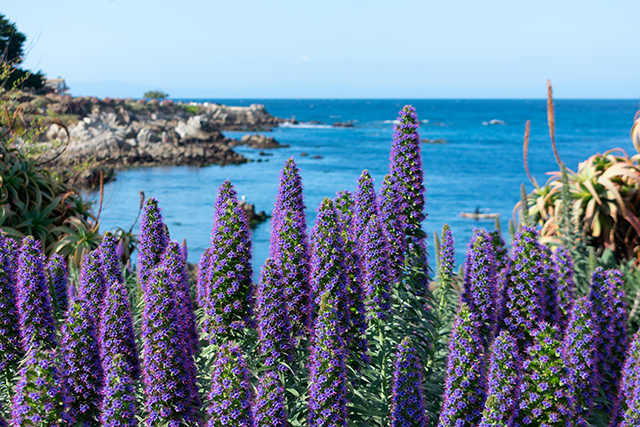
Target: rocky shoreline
(114, 134)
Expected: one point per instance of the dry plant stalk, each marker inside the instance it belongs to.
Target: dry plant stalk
(551, 118)
(525, 156)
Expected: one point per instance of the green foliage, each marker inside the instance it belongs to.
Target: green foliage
(12, 54)
(191, 109)
(155, 94)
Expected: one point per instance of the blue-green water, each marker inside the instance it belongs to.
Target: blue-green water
(479, 166)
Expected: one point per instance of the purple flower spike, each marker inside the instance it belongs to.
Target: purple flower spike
(405, 165)
(230, 395)
(184, 251)
(407, 399)
(111, 269)
(10, 342)
(115, 333)
(57, 278)
(564, 272)
(176, 267)
(549, 286)
(81, 369)
(270, 409)
(328, 380)
(119, 402)
(480, 283)
(578, 353)
(546, 398)
(610, 317)
(229, 302)
(39, 398)
(500, 252)
(390, 203)
(92, 285)
(464, 393)
(627, 410)
(328, 269)
(522, 297)
(33, 301)
(344, 205)
(201, 286)
(274, 331)
(377, 274)
(168, 385)
(153, 240)
(366, 205)
(447, 253)
(289, 247)
(505, 377)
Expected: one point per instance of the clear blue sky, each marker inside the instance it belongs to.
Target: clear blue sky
(336, 49)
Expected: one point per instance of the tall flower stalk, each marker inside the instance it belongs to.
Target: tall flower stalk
(153, 240)
(289, 246)
(578, 355)
(627, 409)
(228, 305)
(407, 399)
(118, 408)
(92, 285)
(10, 343)
(230, 397)
(480, 283)
(564, 269)
(390, 202)
(503, 383)
(274, 331)
(328, 380)
(57, 278)
(464, 391)
(81, 369)
(270, 408)
(377, 274)
(33, 300)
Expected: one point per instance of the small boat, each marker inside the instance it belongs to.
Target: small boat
(478, 215)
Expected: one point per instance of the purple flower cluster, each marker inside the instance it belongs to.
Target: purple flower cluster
(503, 383)
(175, 264)
(92, 286)
(274, 330)
(201, 284)
(228, 305)
(522, 300)
(230, 397)
(153, 239)
(34, 304)
(610, 317)
(328, 270)
(500, 251)
(464, 389)
(10, 343)
(407, 399)
(365, 206)
(115, 333)
(57, 278)
(389, 204)
(405, 166)
(110, 260)
(168, 382)
(39, 398)
(118, 408)
(480, 283)
(377, 274)
(270, 408)
(578, 355)
(627, 411)
(447, 254)
(289, 246)
(80, 366)
(564, 270)
(328, 379)
(549, 285)
(546, 398)
(344, 206)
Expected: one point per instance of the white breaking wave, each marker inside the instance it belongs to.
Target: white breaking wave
(305, 126)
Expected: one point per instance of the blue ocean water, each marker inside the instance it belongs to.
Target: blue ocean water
(479, 165)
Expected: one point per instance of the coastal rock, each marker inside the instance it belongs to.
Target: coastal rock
(197, 127)
(147, 136)
(258, 141)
